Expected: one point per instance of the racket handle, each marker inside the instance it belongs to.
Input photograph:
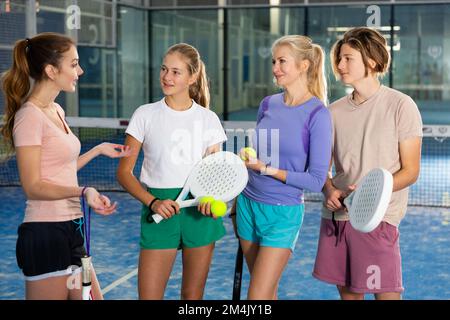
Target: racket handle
(86, 269)
(86, 292)
(157, 218)
(86, 277)
(183, 204)
(189, 203)
(237, 281)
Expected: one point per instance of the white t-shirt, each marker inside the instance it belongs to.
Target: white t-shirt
(173, 141)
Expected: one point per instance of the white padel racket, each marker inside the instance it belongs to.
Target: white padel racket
(222, 175)
(86, 278)
(368, 203)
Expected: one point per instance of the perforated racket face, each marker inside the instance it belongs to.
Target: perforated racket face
(222, 175)
(371, 200)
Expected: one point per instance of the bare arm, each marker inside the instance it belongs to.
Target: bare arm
(410, 163)
(29, 164)
(125, 174)
(213, 149)
(328, 186)
(166, 208)
(110, 150)
(334, 196)
(86, 157)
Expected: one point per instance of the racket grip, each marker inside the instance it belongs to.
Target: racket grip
(157, 218)
(86, 278)
(86, 270)
(86, 292)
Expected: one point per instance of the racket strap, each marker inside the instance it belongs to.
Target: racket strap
(337, 233)
(86, 223)
(336, 229)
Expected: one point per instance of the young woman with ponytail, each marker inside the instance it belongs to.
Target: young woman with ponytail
(49, 245)
(174, 134)
(293, 144)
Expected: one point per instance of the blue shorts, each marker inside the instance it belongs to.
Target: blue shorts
(268, 225)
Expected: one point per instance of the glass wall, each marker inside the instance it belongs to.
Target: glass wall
(13, 27)
(199, 28)
(98, 84)
(50, 17)
(251, 33)
(95, 37)
(121, 48)
(97, 92)
(133, 60)
(422, 65)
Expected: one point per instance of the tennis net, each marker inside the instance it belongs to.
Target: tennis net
(431, 189)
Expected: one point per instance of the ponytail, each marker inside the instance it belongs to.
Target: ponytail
(317, 83)
(199, 91)
(16, 85)
(30, 57)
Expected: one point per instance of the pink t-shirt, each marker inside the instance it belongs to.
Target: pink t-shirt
(59, 155)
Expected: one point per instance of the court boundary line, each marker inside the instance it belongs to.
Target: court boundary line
(119, 281)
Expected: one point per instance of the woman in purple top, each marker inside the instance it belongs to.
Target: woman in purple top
(293, 143)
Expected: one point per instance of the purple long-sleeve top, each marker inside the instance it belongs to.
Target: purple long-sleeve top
(291, 138)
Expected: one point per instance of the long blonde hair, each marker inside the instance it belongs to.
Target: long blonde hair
(303, 48)
(30, 57)
(199, 91)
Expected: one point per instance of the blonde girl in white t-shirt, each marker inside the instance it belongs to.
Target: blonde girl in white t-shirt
(174, 134)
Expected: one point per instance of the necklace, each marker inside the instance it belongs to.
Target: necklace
(358, 103)
(43, 105)
(51, 112)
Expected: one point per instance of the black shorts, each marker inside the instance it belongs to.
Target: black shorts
(49, 249)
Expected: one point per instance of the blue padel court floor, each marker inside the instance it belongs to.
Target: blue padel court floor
(424, 244)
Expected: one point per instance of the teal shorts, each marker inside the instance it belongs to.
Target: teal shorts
(268, 225)
(188, 229)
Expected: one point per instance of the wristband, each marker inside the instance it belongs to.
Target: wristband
(151, 202)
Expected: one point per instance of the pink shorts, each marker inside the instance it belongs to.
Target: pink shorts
(362, 262)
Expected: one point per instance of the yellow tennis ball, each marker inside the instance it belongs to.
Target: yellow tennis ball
(206, 199)
(250, 151)
(219, 208)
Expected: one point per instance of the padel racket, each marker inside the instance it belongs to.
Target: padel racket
(222, 175)
(238, 274)
(86, 263)
(367, 205)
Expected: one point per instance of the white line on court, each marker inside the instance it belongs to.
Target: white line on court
(120, 281)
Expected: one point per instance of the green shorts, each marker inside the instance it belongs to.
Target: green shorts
(188, 229)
